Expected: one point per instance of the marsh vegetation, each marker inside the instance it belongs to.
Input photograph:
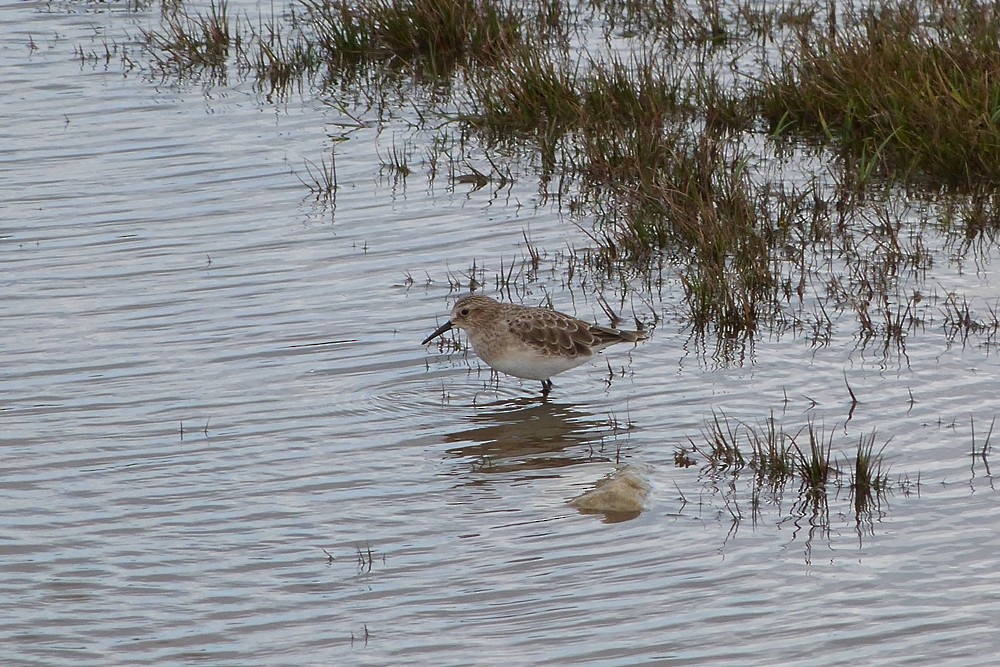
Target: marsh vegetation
(797, 167)
(785, 160)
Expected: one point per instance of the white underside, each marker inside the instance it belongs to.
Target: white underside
(535, 367)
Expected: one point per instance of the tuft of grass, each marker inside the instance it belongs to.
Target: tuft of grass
(322, 178)
(535, 93)
(869, 480)
(813, 462)
(722, 439)
(984, 453)
(904, 88)
(445, 30)
(281, 58)
(438, 34)
(197, 41)
(778, 458)
(772, 459)
(631, 128)
(396, 160)
(432, 36)
(770, 454)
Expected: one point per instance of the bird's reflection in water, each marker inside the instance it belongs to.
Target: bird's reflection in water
(529, 434)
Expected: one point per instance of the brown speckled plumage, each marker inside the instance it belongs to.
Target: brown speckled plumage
(527, 342)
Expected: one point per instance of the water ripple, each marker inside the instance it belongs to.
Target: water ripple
(222, 441)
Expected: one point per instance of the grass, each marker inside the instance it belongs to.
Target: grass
(280, 58)
(905, 87)
(649, 126)
(364, 557)
(779, 459)
(395, 160)
(628, 128)
(654, 127)
(321, 179)
(767, 449)
(437, 35)
(812, 462)
(772, 460)
(194, 41)
(722, 439)
(983, 453)
(441, 31)
(334, 38)
(869, 479)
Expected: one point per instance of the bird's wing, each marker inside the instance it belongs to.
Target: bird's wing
(553, 332)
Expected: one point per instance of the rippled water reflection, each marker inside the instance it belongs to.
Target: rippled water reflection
(222, 441)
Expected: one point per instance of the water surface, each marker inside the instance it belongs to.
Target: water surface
(223, 443)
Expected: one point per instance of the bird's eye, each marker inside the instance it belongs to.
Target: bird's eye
(464, 312)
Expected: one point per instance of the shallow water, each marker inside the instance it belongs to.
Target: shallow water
(223, 443)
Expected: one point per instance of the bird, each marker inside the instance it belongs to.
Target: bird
(528, 342)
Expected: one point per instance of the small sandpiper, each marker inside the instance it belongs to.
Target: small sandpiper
(531, 343)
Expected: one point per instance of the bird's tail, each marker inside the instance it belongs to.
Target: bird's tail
(609, 336)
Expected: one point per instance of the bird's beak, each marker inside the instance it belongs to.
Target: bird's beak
(440, 330)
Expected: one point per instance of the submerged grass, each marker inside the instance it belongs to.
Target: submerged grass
(869, 480)
(764, 464)
(194, 41)
(772, 459)
(813, 461)
(722, 438)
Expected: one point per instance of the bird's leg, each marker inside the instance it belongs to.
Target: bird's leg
(546, 387)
